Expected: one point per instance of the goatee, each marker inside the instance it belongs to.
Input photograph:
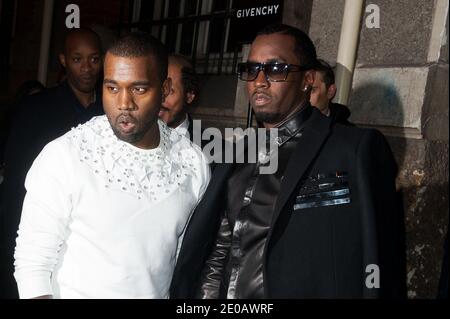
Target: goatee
(265, 117)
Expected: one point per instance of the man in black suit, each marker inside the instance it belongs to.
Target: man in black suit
(183, 94)
(41, 118)
(324, 225)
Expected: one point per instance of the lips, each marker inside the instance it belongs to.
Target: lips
(126, 123)
(162, 111)
(260, 98)
(87, 78)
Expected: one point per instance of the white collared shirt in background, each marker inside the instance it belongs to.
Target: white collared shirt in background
(183, 128)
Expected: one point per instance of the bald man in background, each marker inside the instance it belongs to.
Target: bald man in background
(43, 117)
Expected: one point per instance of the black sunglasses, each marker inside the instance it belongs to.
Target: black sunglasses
(273, 71)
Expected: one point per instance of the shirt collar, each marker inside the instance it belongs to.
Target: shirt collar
(293, 125)
(183, 127)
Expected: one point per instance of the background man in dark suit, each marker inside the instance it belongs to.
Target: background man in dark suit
(323, 91)
(183, 94)
(324, 225)
(41, 118)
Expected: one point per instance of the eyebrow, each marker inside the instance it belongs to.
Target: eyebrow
(135, 83)
(141, 83)
(106, 81)
(279, 60)
(80, 54)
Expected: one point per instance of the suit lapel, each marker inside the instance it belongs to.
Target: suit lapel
(314, 136)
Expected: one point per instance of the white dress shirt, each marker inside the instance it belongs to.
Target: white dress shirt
(104, 219)
(183, 128)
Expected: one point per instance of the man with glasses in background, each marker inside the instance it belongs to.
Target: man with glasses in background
(326, 224)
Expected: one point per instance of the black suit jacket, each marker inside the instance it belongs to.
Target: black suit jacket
(42, 118)
(318, 252)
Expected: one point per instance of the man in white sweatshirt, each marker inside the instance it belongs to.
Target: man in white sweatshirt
(107, 203)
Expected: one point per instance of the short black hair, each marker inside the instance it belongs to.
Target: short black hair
(139, 44)
(81, 31)
(327, 72)
(304, 47)
(189, 77)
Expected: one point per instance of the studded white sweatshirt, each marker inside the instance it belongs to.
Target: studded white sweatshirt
(104, 219)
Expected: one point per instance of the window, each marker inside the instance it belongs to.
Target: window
(195, 28)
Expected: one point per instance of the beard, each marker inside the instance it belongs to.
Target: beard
(129, 138)
(134, 136)
(265, 117)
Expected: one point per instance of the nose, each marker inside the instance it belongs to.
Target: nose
(126, 102)
(164, 102)
(261, 80)
(86, 65)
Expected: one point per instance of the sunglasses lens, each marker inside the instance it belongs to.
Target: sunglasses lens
(276, 71)
(248, 71)
(273, 71)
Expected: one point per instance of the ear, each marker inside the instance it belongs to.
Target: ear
(310, 76)
(331, 92)
(190, 97)
(166, 87)
(62, 59)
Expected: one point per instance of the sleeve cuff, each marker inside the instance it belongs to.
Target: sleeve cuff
(34, 286)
